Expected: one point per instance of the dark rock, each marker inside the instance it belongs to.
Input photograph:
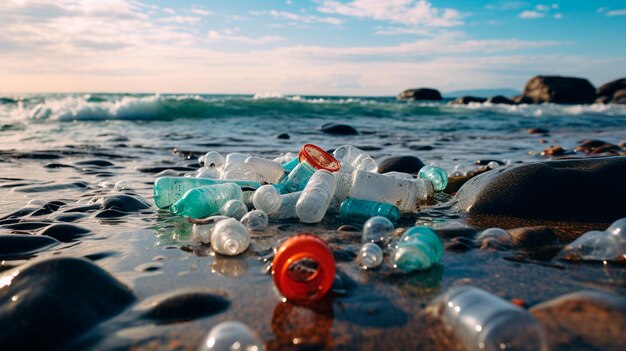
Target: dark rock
(407, 164)
(64, 232)
(499, 99)
(339, 129)
(538, 131)
(420, 147)
(185, 304)
(560, 90)
(95, 162)
(49, 302)
(554, 150)
(619, 97)
(121, 202)
(25, 225)
(532, 237)
(609, 89)
(584, 320)
(521, 99)
(283, 136)
(464, 100)
(587, 189)
(420, 94)
(459, 244)
(16, 245)
(603, 99)
(456, 232)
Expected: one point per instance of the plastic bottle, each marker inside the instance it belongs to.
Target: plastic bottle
(230, 237)
(418, 249)
(276, 206)
(213, 159)
(403, 193)
(608, 245)
(399, 175)
(303, 269)
(370, 256)
(311, 159)
(355, 157)
(267, 170)
(168, 190)
(494, 238)
(436, 175)
(231, 336)
(484, 322)
(255, 220)
(202, 232)
(236, 168)
(290, 163)
(234, 208)
(206, 200)
(208, 172)
(359, 211)
(344, 183)
(313, 203)
(377, 229)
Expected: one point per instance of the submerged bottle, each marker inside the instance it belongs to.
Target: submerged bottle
(369, 256)
(168, 190)
(436, 175)
(485, 322)
(303, 268)
(313, 203)
(230, 237)
(418, 249)
(359, 211)
(377, 229)
(267, 170)
(356, 158)
(234, 208)
(231, 336)
(207, 200)
(311, 158)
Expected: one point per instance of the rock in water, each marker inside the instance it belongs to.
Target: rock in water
(464, 100)
(45, 304)
(339, 129)
(609, 89)
(579, 190)
(406, 164)
(16, 245)
(64, 232)
(185, 304)
(559, 90)
(420, 94)
(121, 202)
(499, 99)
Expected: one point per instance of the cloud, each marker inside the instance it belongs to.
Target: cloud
(558, 15)
(506, 5)
(530, 14)
(181, 19)
(201, 12)
(298, 18)
(621, 12)
(230, 35)
(401, 31)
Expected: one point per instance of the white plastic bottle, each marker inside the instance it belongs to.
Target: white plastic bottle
(355, 157)
(230, 237)
(276, 206)
(236, 168)
(316, 196)
(266, 170)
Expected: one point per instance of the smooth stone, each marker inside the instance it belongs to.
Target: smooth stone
(584, 320)
(559, 90)
(95, 162)
(406, 164)
(18, 245)
(464, 100)
(283, 136)
(532, 237)
(339, 129)
(52, 301)
(420, 94)
(456, 232)
(183, 304)
(121, 202)
(499, 99)
(538, 131)
(64, 232)
(25, 225)
(581, 189)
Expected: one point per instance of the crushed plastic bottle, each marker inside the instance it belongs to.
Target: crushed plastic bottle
(231, 336)
(213, 159)
(494, 238)
(202, 232)
(313, 203)
(236, 168)
(436, 175)
(303, 269)
(377, 229)
(359, 211)
(206, 200)
(311, 158)
(608, 245)
(255, 220)
(355, 158)
(168, 190)
(484, 322)
(267, 170)
(276, 206)
(234, 208)
(369, 256)
(418, 249)
(230, 237)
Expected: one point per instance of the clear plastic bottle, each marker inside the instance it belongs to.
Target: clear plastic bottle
(436, 175)
(202, 232)
(311, 159)
(287, 209)
(231, 336)
(230, 237)
(276, 206)
(234, 208)
(236, 168)
(608, 245)
(206, 200)
(344, 183)
(377, 229)
(418, 249)
(168, 190)
(359, 211)
(403, 193)
(267, 170)
(213, 159)
(313, 203)
(370, 256)
(485, 322)
(255, 220)
(208, 172)
(399, 175)
(355, 157)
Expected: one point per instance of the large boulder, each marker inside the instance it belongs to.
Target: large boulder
(559, 90)
(406, 164)
(420, 94)
(580, 190)
(610, 88)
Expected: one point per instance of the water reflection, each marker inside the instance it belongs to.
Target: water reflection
(302, 327)
(232, 267)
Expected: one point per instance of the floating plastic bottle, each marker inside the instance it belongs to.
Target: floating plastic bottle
(311, 158)
(494, 238)
(608, 245)
(418, 249)
(377, 229)
(484, 322)
(230, 237)
(436, 175)
(255, 220)
(369, 256)
(234, 208)
(403, 193)
(268, 200)
(356, 158)
(168, 190)
(202, 232)
(206, 200)
(303, 268)
(267, 170)
(313, 203)
(359, 211)
(231, 336)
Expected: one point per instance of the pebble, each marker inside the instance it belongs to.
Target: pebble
(339, 129)
(64, 232)
(20, 245)
(183, 304)
(406, 164)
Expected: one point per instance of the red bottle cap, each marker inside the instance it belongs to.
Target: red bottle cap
(318, 158)
(303, 268)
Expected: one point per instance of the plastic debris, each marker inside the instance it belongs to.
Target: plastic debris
(235, 209)
(313, 203)
(369, 256)
(494, 238)
(202, 232)
(355, 158)
(608, 245)
(255, 220)
(213, 159)
(418, 249)
(377, 229)
(266, 170)
(229, 237)
(359, 211)
(437, 176)
(168, 190)
(207, 200)
(311, 159)
(231, 336)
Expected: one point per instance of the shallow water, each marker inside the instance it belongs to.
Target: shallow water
(74, 147)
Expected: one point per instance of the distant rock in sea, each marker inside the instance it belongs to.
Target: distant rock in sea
(560, 90)
(464, 100)
(614, 91)
(420, 94)
(499, 99)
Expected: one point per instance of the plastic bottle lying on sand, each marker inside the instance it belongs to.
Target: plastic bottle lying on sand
(359, 211)
(485, 322)
(276, 206)
(609, 245)
(168, 190)
(267, 170)
(206, 200)
(234, 208)
(418, 249)
(313, 203)
(436, 175)
(356, 158)
(377, 229)
(231, 336)
(369, 256)
(230, 237)
(311, 158)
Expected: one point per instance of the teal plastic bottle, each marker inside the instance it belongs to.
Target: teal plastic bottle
(298, 178)
(289, 166)
(168, 190)
(419, 248)
(358, 211)
(206, 200)
(437, 176)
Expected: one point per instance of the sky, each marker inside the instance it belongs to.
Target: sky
(316, 47)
